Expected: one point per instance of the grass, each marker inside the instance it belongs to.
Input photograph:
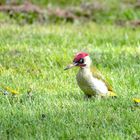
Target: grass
(33, 57)
(71, 2)
(120, 12)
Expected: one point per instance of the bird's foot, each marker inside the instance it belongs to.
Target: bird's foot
(87, 97)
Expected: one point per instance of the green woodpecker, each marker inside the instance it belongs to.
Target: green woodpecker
(90, 81)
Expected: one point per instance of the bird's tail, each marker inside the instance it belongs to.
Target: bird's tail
(112, 94)
(136, 100)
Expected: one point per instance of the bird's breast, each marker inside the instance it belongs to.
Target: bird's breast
(89, 84)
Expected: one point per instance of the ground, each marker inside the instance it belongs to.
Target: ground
(50, 105)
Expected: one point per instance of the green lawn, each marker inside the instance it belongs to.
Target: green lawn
(32, 57)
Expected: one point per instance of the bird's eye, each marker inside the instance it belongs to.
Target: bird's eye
(81, 60)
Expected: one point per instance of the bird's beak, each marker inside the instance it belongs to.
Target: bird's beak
(71, 66)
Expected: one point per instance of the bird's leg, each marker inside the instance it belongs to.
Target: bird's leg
(87, 96)
(99, 97)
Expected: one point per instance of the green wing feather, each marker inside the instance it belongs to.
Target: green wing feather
(98, 75)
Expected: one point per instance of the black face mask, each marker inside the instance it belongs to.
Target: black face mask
(81, 61)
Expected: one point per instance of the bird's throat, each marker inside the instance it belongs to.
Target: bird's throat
(82, 65)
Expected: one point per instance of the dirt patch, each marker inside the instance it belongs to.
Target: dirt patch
(87, 11)
(26, 12)
(134, 23)
(84, 11)
(26, 7)
(58, 13)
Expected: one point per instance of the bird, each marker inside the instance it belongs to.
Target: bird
(89, 79)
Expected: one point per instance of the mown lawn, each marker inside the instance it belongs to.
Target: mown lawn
(32, 58)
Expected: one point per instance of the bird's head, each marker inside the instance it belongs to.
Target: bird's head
(81, 60)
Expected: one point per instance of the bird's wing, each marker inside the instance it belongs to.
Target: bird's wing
(96, 73)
